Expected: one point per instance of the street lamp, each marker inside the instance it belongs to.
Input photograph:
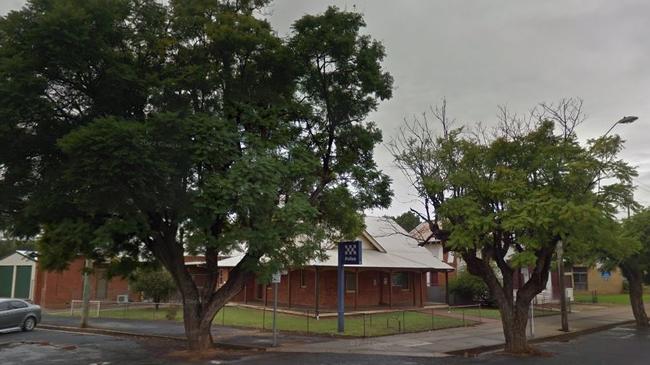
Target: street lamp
(624, 120)
(560, 248)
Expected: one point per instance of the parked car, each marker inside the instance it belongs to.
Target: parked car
(19, 314)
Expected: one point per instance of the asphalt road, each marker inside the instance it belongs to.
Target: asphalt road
(623, 345)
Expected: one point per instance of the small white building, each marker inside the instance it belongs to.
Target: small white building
(18, 275)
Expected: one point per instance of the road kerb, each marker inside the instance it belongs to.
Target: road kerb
(473, 351)
(102, 331)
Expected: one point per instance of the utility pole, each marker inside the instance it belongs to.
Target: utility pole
(563, 301)
(275, 310)
(275, 279)
(85, 305)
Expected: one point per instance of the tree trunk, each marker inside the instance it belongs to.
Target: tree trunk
(514, 313)
(514, 320)
(197, 328)
(199, 305)
(635, 279)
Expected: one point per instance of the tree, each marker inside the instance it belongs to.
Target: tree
(9, 246)
(510, 196)
(155, 284)
(154, 130)
(408, 220)
(632, 255)
(637, 265)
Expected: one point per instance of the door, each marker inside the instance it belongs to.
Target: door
(5, 320)
(23, 282)
(17, 312)
(6, 281)
(259, 291)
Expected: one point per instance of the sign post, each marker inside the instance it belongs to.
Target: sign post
(275, 280)
(349, 254)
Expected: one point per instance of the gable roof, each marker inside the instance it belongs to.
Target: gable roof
(394, 249)
(20, 255)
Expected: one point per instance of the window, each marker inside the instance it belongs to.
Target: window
(15, 304)
(401, 279)
(350, 282)
(580, 278)
(303, 279)
(432, 279)
(4, 306)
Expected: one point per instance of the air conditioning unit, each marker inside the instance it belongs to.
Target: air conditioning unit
(123, 298)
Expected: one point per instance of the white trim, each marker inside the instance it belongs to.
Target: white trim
(373, 241)
(13, 288)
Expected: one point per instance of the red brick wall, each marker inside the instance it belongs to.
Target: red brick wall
(373, 290)
(56, 290)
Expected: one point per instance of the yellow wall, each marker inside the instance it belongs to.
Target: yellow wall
(613, 285)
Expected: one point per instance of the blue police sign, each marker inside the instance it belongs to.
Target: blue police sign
(350, 253)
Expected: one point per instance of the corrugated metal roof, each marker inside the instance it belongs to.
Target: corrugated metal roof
(402, 251)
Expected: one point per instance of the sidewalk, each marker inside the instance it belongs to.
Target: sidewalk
(440, 343)
(424, 344)
(222, 335)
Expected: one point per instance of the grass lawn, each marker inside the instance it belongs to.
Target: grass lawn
(375, 324)
(494, 313)
(621, 299)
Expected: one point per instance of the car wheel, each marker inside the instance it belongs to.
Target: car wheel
(29, 324)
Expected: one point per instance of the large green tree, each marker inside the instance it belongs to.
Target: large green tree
(408, 220)
(132, 128)
(635, 262)
(629, 249)
(505, 199)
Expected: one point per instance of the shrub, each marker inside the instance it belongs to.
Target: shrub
(468, 287)
(156, 285)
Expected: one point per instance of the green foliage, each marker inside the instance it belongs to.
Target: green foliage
(138, 129)
(469, 287)
(157, 285)
(9, 246)
(504, 200)
(408, 220)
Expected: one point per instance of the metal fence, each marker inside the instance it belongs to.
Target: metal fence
(358, 324)
(129, 310)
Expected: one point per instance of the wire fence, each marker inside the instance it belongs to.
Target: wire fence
(359, 324)
(129, 310)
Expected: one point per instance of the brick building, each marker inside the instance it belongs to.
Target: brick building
(392, 274)
(21, 277)
(57, 289)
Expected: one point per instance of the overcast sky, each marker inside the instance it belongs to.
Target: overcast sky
(482, 54)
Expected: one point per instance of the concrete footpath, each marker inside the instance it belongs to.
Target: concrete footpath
(437, 343)
(222, 335)
(456, 340)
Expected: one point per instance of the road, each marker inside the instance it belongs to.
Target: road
(624, 345)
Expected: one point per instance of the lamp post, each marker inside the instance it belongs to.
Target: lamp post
(560, 248)
(624, 120)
